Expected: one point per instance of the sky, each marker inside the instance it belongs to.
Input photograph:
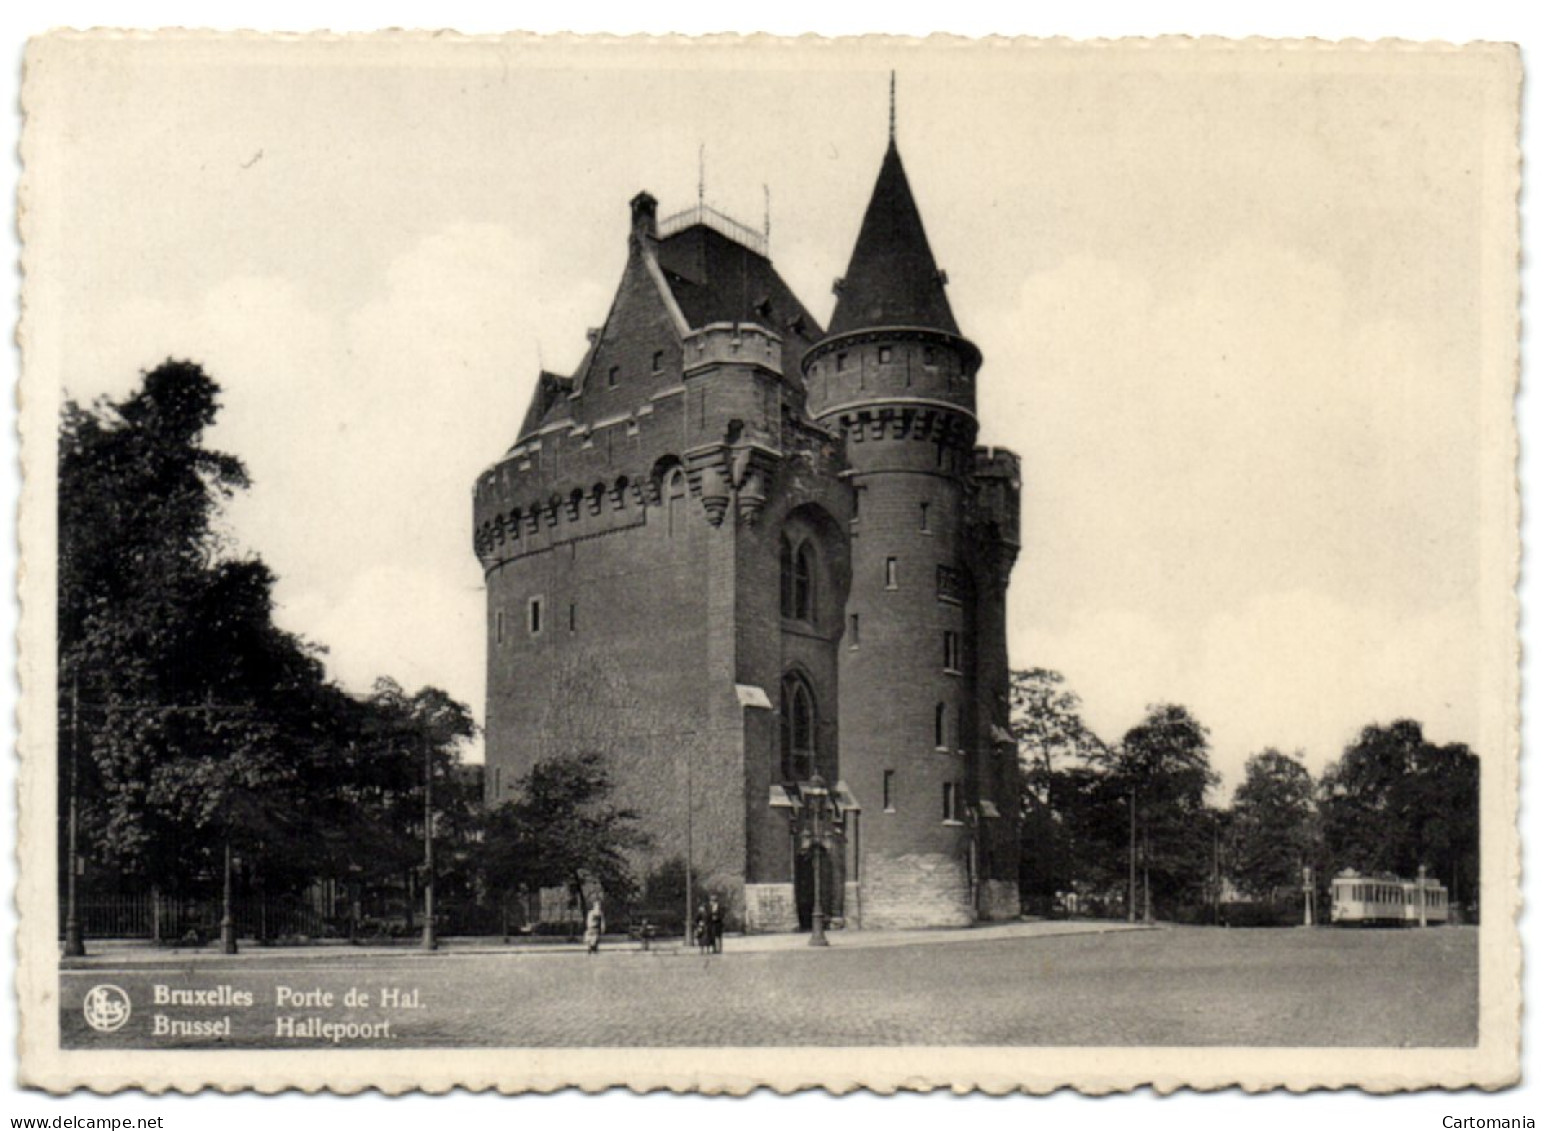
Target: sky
(1233, 322)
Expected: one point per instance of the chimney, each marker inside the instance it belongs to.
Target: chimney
(643, 207)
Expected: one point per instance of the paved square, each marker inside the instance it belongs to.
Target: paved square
(1182, 986)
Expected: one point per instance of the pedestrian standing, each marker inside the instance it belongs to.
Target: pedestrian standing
(716, 926)
(702, 931)
(594, 925)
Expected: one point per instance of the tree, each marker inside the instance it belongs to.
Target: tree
(1163, 766)
(561, 830)
(1067, 821)
(1046, 722)
(170, 669)
(1273, 825)
(1395, 801)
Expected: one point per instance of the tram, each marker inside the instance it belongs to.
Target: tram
(1385, 901)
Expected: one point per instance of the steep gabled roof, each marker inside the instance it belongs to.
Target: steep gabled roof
(715, 279)
(551, 388)
(892, 279)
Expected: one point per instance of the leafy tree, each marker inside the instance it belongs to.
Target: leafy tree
(1064, 808)
(1395, 801)
(562, 830)
(1163, 766)
(1273, 833)
(1046, 722)
(171, 671)
(196, 722)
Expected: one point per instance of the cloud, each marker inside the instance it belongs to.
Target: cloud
(1241, 496)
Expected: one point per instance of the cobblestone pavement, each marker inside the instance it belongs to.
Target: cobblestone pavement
(1184, 986)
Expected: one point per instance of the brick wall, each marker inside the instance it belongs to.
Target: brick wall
(916, 890)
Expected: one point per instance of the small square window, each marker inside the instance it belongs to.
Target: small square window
(885, 354)
(842, 362)
(612, 377)
(657, 361)
(890, 573)
(928, 356)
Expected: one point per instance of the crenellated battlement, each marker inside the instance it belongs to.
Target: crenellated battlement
(732, 343)
(575, 482)
(996, 501)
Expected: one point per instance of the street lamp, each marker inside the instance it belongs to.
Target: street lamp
(428, 942)
(818, 817)
(74, 945)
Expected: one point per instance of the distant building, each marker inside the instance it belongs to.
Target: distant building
(734, 549)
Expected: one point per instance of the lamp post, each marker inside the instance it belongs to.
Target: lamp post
(1132, 854)
(1309, 896)
(227, 912)
(74, 945)
(428, 942)
(817, 803)
(1422, 895)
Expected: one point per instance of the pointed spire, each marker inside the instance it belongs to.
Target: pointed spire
(893, 108)
(892, 279)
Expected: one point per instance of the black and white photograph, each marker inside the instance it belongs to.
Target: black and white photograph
(866, 563)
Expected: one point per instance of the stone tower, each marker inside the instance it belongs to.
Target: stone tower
(732, 551)
(895, 377)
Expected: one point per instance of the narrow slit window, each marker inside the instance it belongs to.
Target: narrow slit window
(948, 802)
(941, 738)
(890, 573)
(853, 630)
(534, 616)
(923, 518)
(499, 627)
(657, 361)
(888, 791)
(612, 377)
(952, 651)
(572, 619)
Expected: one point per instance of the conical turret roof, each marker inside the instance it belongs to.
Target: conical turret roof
(892, 279)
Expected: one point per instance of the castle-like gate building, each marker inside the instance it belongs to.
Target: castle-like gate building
(734, 550)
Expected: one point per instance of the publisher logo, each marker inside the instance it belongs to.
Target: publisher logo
(106, 1008)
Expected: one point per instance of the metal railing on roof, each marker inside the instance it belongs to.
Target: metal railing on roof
(742, 234)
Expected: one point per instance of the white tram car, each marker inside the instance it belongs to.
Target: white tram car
(1384, 901)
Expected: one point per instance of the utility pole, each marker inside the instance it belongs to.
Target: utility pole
(429, 847)
(74, 946)
(1216, 881)
(687, 923)
(227, 916)
(1132, 854)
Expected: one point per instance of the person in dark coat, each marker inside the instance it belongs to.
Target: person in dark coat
(716, 926)
(702, 931)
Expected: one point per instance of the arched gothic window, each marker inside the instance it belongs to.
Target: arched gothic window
(797, 729)
(675, 491)
(797, 580)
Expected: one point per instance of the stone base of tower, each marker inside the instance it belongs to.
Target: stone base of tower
(923, 890)
(1001, 900)
(770, 908)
